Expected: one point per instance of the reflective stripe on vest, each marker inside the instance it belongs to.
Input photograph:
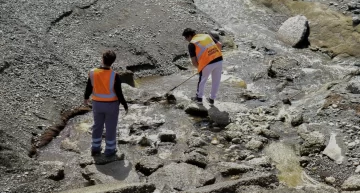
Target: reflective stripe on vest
(203, 48)
(206, 50)
(100, 96)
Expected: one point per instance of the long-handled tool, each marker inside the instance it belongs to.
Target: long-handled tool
(181, 83)
(170, 97)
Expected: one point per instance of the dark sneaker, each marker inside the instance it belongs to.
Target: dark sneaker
(95, 152)
(196, 99)
(211, 101)
(109, 153)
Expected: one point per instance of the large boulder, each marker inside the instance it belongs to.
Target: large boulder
(181, 177)
(294, 31)
(332, 32)
(196, 110)
(221, 118)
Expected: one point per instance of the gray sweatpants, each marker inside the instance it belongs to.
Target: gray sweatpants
(105, 113)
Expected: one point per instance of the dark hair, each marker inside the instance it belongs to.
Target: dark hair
(108, 57)
(188, 32)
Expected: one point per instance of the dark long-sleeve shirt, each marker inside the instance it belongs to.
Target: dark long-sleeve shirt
(192, 51)
(117, 88)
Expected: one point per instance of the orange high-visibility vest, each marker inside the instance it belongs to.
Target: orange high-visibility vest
(103, 84)
(206, 50)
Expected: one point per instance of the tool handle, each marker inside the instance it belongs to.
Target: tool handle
(182, 83)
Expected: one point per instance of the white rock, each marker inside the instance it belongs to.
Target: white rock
(333, 151)
(293, 30)
(357, 169)
(330, 179)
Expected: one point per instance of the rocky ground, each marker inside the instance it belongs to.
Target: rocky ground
(286, 119)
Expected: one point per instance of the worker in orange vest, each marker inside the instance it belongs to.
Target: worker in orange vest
(105, 86)
(206, 56)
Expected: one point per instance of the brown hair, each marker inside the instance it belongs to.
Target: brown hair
(108, 57)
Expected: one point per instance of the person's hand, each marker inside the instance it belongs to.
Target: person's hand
(86, 101)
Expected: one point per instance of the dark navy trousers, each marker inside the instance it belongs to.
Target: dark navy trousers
(105, 113)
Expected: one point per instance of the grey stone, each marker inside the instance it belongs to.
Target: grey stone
(167, 136)
(151, 151)
(196, 142)
(254, 144)
(196, 110)
(181, 176)
(297, 120)
(261, 161)
(148, 165)
(314, 142)
(354, 85)
(145, 124)
(219, 117)
(196, 159)
(294, 31)
(283, 67)
(236, 140)
(352, 183)
(144, 141)
(269, 133)
(263, 180)
(55, 170)
(230, 168)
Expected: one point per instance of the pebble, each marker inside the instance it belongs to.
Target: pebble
(330, 179)
(351, 145)
(220, 146)
(250, 157)
(26, 173)
(357, 169)
(215, 141)
(195, 134)
(236, 140)
(233, 147)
